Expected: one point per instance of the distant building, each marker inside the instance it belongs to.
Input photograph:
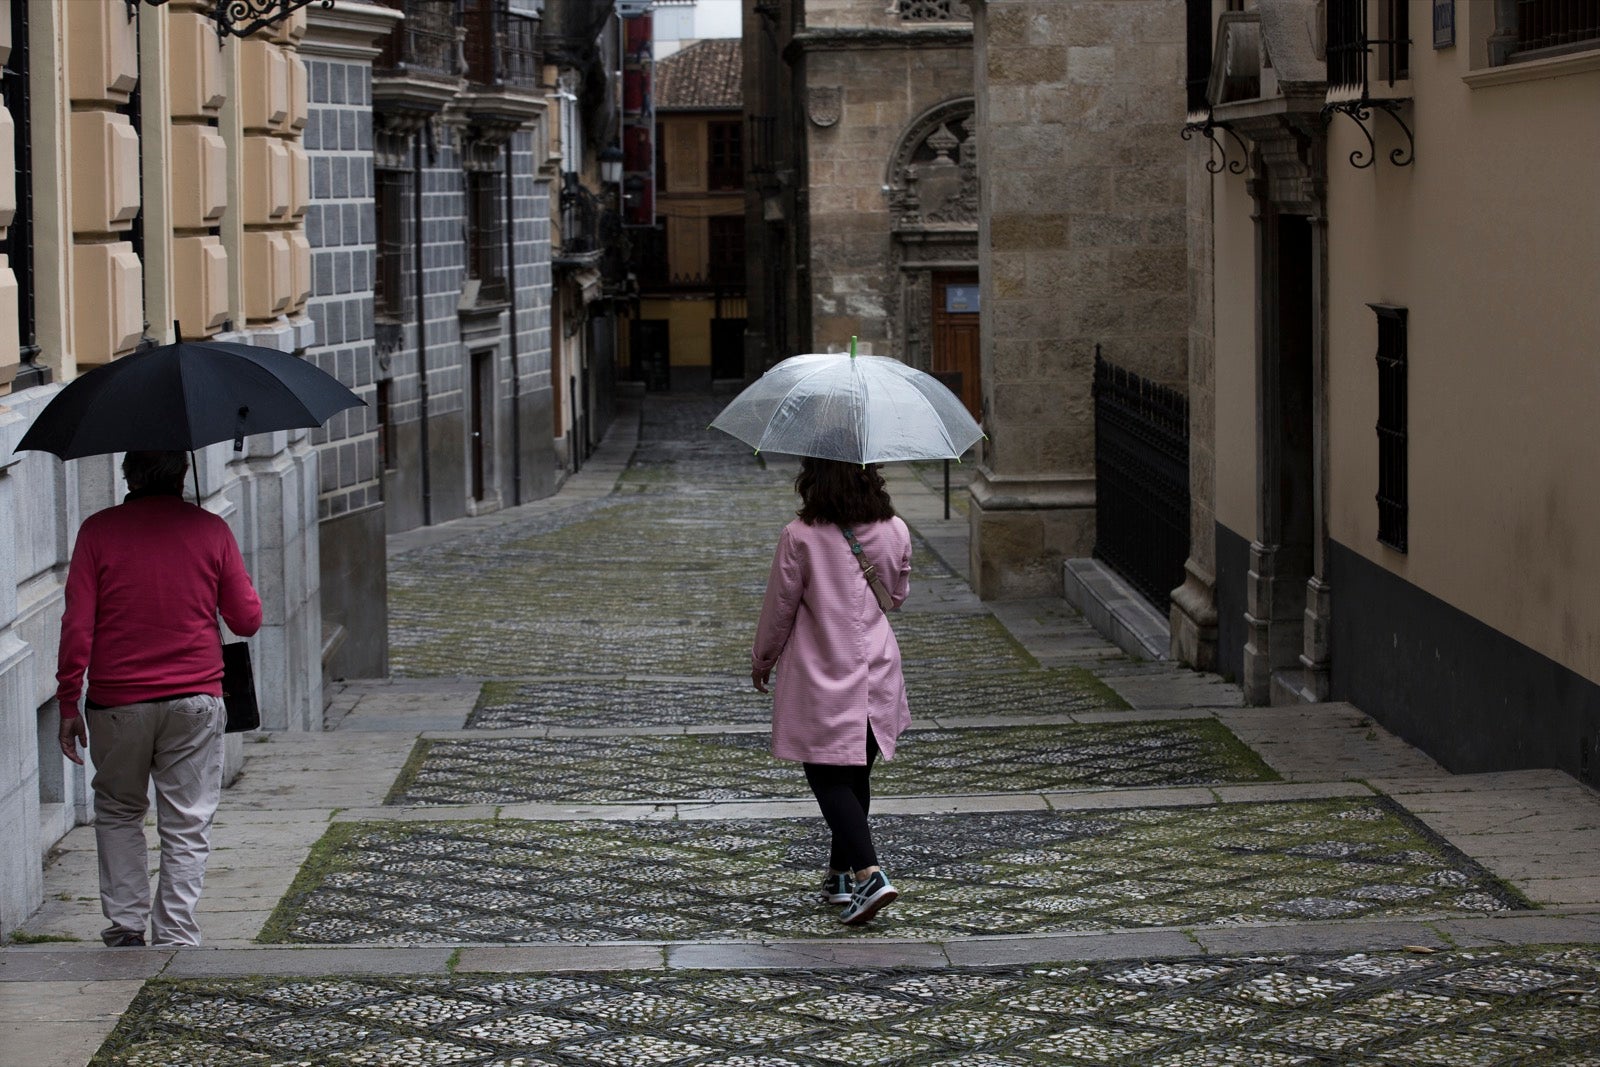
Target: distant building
(690, 266)
(680, 23)
(862, 171)
(1395, 250)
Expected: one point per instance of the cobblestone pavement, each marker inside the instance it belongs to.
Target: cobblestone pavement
(589, 858)
(962, 875)
(510, 770)
(1455, 1009)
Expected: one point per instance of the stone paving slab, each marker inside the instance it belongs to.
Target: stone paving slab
(507, 770)
(50, 1023)
(1534, 1005)
(966, 875)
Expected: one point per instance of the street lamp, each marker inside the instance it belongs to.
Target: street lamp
(611, 165)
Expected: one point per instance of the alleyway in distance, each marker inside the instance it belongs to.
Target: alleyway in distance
(555, 837)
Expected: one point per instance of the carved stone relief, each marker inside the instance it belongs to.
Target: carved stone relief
(824, 104)
(933, 177)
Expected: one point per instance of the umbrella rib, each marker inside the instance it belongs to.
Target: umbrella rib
(784, 399)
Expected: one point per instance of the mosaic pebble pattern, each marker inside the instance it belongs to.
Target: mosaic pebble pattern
(1522, 1007)
(624, 705)
(509, 770)
(960, 875)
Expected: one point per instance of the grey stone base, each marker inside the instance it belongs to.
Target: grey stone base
(1111, 606)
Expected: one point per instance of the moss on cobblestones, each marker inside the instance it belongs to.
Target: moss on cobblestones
(961, 875)
(1522, 1006)
(507, 770)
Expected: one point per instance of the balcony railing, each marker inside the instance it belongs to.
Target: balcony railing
(425, 44)
(501, 47)
(1549, 27)
(580, 222)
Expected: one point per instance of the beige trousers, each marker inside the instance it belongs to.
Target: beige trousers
(177, 744)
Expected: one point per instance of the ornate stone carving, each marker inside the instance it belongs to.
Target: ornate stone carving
(824, 104)
(934, 11)
(918, 299)
(933, 176)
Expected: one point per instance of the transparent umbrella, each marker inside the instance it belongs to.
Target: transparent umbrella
(858, 409)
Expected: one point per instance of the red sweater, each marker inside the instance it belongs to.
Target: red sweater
(143, 591)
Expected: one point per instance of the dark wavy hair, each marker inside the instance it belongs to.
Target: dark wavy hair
(847, 494)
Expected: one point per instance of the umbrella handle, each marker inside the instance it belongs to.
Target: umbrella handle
(238, 428)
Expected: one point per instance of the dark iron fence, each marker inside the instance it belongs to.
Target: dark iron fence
(1141, 459)
(425, 43)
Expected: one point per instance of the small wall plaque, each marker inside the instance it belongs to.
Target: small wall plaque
(1444, 23)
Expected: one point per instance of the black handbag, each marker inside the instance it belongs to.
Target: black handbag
(239, 688)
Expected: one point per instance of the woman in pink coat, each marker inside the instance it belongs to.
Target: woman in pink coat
(839, 698)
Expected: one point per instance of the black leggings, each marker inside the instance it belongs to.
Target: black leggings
(845, 794)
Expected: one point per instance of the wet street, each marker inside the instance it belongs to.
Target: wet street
(555, 836)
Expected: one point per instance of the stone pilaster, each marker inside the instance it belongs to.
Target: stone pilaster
(1082, 243)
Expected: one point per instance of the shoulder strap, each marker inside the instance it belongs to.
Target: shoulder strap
(868, 571)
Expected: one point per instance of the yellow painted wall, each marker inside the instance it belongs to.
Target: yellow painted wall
(689, 332)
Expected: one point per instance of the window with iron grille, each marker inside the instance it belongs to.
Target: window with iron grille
(726, 263)
(390, 197)
(486, 234)
(1199, 55)
(384, 413)
(1393, 478)
(725, 163)
(1354, 42)
(1537, 29)
(934, 11)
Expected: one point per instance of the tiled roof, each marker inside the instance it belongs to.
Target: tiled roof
(703, 76)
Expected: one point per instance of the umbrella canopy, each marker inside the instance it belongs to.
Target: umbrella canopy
(858, 409)
(183, 396)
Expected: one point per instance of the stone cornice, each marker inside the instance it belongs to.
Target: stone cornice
(349, 30)
(863, 39)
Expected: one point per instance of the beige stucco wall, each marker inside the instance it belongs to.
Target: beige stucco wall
(1235, 346)
(1492, 240)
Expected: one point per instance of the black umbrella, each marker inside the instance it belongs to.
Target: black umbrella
(183, 396)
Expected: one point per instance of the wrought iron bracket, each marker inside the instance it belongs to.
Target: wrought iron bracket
(1208, 128)
(241, 18)
(1360, 112)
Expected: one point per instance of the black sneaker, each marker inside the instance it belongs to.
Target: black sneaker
(869, 898)
(127, 941)
(837, 887)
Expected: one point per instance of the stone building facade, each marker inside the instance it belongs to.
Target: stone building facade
(1402, 393)
(861, 210)
(1082, 211)
(160, 185)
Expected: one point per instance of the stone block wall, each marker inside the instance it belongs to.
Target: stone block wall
(1082, 211)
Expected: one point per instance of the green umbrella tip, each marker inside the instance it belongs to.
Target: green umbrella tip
(852, 346)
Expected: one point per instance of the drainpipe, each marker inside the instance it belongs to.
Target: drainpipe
(422, 315)
(511, 297)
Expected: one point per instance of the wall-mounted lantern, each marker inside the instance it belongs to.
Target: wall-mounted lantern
(611, 164)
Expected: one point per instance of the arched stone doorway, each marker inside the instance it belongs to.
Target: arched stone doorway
(932, 182)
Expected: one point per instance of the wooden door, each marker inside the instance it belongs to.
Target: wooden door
(955, 337)
(482, 416)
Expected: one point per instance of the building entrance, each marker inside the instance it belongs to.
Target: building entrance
(955, 337)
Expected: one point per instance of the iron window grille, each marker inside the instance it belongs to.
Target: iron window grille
(934, 11)
(17, 245)
(1393, 476)
(580, 220)
(725, 165)
(486, 234)
(392, 195)
(1537, 29)
(500, 45)
(425, 43)
(1198, 114)
(1358, 50)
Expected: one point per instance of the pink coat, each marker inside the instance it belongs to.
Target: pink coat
(838, 664)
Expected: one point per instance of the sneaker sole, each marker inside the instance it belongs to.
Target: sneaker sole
(875, 903)
(834, 898)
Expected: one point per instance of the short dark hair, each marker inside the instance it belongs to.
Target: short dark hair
(847, 494)
(157, 472)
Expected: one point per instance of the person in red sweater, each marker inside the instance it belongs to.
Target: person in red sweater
(147, 580)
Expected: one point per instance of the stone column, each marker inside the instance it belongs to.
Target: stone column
(1081, 242)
